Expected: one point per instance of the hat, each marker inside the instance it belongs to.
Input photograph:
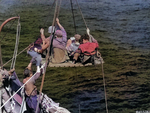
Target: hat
(51, 29)
(58, 33)
(77, 37)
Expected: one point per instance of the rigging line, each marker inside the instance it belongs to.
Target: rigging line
(78, 86)
(17, 43)
(81, 14)
(1, 41)
(51, 8)
(73, 17)
(58, 8)
(104, 88)
(15, 51)
(5, 22)
(47, 56)
(17, 55)
(53, 24)
(17, 91)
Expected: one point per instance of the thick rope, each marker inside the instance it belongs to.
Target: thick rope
(53, 24)
(58, 9)
(15, 51)
(17, 55)
(81, 14)
(47, 56)
(16, 46)
(73, 16)
(50, 10)
(104, 88)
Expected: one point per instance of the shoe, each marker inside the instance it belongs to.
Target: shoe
(38, 69)
(43, 68)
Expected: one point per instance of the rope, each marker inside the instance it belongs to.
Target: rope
(52, 7)
(58, 8)
(1, 61)
(5, 22)
(54, 22)
(16, 46)
(104, 88)
(47, 56)
(73, 17)
(17, 55)
(81, 14)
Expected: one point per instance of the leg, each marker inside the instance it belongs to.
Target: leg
(35, 57)
(76, 55)
(75, 58)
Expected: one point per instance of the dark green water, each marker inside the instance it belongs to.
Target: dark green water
(121, 28)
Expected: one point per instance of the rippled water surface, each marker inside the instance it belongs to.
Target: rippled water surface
(124, 21)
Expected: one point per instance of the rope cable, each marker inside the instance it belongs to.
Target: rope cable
(5, 22)
(81, 14)
(16, 46)
(14, 57)
(73, 16)
(1, 61)
(47, 56)
(17, 55)
(53, 24)
(58, 8)
(104, 88)
(52, 7)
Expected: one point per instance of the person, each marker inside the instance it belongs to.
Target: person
(86, 49)
(30, 89)
(10, 106)
(51, 29)
(36, 49)
(59, 41)
(72, 45)
(31, 94)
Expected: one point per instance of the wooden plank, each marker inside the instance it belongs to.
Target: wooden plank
(68, 64)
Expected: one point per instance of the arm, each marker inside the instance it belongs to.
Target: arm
(62, 29)
(36, 76)
(42, 34)
(46, 44)
(90, 36)
(68, 43)
(78, 50)
(92, 39)
(46, 41)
